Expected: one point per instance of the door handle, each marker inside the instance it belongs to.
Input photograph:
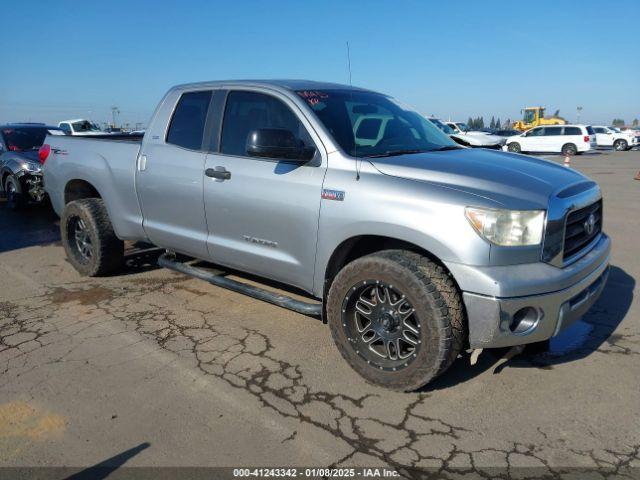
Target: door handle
(219, 173)
(142, 163)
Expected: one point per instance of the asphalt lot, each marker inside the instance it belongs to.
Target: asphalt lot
(151, 368)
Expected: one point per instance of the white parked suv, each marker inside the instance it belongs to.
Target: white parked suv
(608, 137)
(565, 139)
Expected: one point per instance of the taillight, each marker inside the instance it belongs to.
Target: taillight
(586, 138)
(44, 152)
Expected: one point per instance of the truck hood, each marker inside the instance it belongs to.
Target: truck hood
(507, 180)
(29, 156)
(476, 132)
(481, 139)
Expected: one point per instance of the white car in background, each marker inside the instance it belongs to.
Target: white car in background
(81, 127)
(619, 140)
(565, 139)
(475, 138)
(468, 138)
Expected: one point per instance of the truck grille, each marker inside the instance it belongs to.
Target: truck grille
(581, 228)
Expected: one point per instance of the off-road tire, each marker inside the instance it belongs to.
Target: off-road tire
(436, 300)
(108, 249)
(620, 145)
(514, 147)
(569, 149)
(14, 192)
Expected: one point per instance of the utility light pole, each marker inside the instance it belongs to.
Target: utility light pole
(579, 109)
(114, 111)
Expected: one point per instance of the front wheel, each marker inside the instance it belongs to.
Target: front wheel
(620, 145)
(88, 238)
(15, 196)
(514, 147)
(397, 318)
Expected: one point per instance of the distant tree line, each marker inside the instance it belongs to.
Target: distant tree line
(478, 123)
(619, 122)
(495, 123)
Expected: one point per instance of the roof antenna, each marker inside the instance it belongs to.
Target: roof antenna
(355, 144)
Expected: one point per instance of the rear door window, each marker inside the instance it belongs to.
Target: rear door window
(187, 124)
(590, 130)
(572, 131)
(552, 131)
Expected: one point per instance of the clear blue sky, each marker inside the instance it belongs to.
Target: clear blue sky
(453, 59)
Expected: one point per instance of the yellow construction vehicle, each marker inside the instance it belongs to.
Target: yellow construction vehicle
(534, 116)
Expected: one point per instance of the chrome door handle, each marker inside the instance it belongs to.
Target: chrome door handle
(219, 173)
(142, 163)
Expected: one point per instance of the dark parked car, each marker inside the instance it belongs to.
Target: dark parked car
(506, 133)
(20, 174)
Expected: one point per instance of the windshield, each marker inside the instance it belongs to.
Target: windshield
(84, 126)
(463, 126)
(367, 124)
(23, 139)
(529, 116)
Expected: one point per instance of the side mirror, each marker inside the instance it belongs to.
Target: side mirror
(278, 143)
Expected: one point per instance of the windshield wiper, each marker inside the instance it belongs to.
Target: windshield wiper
(447, 147)
(395, 153)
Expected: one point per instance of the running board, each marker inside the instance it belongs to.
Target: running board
(168, 261)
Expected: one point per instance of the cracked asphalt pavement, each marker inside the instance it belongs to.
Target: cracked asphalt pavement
(200, 376)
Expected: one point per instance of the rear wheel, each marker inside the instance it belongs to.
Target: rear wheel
(514, 147)
(397, 318)
(13, 189)
(620, 145)
(88, 238)
(569, 149)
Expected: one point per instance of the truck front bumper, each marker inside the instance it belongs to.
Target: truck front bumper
(554, 298)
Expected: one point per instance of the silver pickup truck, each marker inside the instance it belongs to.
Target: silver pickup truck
(412, 247)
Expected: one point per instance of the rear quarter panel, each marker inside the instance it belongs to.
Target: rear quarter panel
(109, 166)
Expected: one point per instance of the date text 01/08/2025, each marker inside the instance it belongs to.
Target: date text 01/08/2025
(315, 472)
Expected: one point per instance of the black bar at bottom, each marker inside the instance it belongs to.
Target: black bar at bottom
(283, 301)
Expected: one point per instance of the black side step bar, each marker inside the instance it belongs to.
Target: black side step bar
(167, 260)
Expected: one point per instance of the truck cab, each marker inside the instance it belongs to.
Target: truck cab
(80, 127)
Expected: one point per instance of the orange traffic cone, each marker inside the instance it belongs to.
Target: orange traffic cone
(567, 161)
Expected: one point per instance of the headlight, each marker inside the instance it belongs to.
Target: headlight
(30, 167)
(508, 228)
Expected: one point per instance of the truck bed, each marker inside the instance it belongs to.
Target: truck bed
(105, 162)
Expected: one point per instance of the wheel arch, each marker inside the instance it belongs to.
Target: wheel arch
(360, 245)
(11, 167)
(78, 189)
(4, 173)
